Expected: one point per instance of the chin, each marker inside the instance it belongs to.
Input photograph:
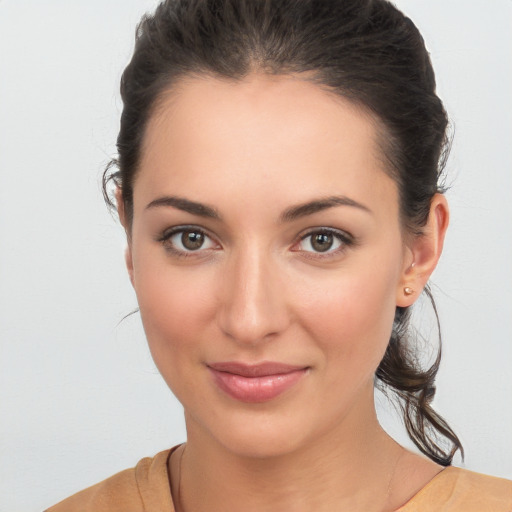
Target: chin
(263, 435)
(262, 445)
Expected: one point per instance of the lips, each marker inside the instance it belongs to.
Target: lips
(255, 383)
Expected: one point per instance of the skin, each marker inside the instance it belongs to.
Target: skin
(258, 291)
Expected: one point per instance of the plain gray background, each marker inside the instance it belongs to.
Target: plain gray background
(80, 398)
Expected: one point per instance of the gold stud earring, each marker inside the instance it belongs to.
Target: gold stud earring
(408, 291)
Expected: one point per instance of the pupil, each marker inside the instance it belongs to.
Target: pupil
(192, 240)
(322, 242)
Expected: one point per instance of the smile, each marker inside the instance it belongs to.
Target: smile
(255, 383)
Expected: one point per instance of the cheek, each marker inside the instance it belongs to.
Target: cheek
(176, 309)
(171, 305)
(351, 316)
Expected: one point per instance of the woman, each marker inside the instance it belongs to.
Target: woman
(278, 181)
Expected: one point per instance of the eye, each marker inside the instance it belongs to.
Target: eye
(185, 240)
(324, 241)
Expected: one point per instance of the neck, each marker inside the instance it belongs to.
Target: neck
(348, 468)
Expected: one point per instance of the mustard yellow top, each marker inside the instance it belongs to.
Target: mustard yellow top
(146, 488)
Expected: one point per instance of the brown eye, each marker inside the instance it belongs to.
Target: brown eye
(325, 241)
(322, 242)
(186, 240)
(192, 240)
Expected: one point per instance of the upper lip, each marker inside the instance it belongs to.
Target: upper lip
(255, 370)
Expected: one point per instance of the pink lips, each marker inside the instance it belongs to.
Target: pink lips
(255, 383)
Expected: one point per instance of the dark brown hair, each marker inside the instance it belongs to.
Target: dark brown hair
(364, 50)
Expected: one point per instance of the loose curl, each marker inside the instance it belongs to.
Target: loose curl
(364, 50)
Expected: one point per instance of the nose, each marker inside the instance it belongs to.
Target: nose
(253, 305)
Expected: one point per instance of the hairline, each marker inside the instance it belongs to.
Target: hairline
(384, 140)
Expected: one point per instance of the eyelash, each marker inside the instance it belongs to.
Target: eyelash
(165, 240)
(345, 240)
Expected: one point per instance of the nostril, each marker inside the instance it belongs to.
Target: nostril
(251, 321)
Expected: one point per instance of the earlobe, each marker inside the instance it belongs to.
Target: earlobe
(129, 263)
(424, 253)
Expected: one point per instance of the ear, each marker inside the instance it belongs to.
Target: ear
(423, 253)
(122, 217)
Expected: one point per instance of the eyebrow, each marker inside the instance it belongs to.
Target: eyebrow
(289, 215)
(317, 205)
(185, 205)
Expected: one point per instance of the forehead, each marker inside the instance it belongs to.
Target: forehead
(269, 135)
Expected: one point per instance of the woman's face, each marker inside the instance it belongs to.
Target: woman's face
(267, 257)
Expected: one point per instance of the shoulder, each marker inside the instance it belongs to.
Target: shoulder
(461, 490)
(142, 488)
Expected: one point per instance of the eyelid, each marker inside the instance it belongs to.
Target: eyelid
(345, 238)
(167, 234)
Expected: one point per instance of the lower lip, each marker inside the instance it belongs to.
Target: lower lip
(256, 389)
